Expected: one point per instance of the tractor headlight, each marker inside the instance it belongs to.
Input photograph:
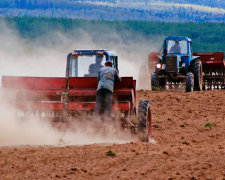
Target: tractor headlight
(158, 66)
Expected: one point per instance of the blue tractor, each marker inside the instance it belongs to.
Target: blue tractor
(176, 66)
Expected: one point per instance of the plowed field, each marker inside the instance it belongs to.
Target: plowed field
(189, 134)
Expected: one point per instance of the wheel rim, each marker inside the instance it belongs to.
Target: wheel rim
(149, 124)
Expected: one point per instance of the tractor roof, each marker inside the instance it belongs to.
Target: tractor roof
(92, 53)
(89, 52)
(179, 38)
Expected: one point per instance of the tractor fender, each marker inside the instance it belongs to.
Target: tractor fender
(159, 57)
(194, 58)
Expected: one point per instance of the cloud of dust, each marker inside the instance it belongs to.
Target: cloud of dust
(46, 57)
(16, 129)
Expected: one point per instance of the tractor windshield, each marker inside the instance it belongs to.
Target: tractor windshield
(86, 66)
(177, 47)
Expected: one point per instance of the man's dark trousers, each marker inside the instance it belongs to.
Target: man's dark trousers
(103, 102)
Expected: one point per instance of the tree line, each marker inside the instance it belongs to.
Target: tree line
(214, 3)
(26, 4)
(80, 10)
(204, 38)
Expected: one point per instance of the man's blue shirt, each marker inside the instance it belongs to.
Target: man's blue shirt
(106, 77)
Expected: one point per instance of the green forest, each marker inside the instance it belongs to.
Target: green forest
(205, 36)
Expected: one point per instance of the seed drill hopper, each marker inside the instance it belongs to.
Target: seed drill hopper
(60, 99)
(213, 66)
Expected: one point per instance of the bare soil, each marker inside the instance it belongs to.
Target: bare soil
(189, 130)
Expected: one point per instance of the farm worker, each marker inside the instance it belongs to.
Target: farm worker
(175, 49)
(93, 68)
(106, 77)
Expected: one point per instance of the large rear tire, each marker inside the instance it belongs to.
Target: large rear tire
(197, 72)
(189, 82)
(144, 121)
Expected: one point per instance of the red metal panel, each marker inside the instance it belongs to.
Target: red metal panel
(121, 106)
(38, 92)
(82, 92)
(87, 86)
(211, 61)
(92, 92)
(81, 106)
(154, 55)
(126, 83)
(83, 83)
(91, 83)
(39, 106)
(84, 106)
(19, 82)
(134, 87)
(35, 95)
(73, 106)
(133, 100)
(210, 56)
(123, 91)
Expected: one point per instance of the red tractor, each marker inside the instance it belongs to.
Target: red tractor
(64, 98)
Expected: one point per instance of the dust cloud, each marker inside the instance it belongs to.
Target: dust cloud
(17, 129)
(46, 56)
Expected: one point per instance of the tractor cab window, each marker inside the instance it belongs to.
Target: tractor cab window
(177, 47)
(86, 66)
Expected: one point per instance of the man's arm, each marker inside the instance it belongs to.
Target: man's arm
(117, 77)
(98, 77)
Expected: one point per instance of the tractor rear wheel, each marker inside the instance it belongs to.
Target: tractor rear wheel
(144, 121)
(198, 78)
(189, 82)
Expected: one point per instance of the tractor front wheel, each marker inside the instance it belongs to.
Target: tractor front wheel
(144, 121)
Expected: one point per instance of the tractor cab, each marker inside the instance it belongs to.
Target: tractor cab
(176, 54)
(86, 63)
(177, 46)
(177, 66)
